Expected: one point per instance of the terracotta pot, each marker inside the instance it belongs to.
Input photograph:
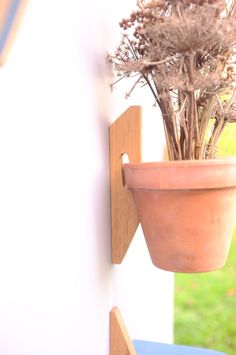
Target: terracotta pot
(187, 210)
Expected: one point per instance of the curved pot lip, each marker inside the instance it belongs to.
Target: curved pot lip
(181, 174)
(182, 163)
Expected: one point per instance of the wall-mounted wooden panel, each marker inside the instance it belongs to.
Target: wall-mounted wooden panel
(120, 342)
(125, 138)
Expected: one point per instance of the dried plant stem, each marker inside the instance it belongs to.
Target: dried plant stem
(219, 127)
(168, 143)
(205, 119)
(191, 112)
(169, 131)
(182, 120)
(191, 126)
(217, 130)
(151, 88)
(148, 64)
(231, 101)
(167, 124)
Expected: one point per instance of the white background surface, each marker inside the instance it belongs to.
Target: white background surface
(57, 284)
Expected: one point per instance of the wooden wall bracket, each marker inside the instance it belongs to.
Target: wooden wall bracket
(121, 343)
(125, 138)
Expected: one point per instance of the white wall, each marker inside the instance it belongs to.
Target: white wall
(56, 281)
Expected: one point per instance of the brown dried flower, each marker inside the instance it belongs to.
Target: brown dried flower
(183, 50)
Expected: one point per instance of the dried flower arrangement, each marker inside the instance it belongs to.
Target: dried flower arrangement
(184, 51)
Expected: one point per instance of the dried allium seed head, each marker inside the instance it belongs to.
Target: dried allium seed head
(183, 50)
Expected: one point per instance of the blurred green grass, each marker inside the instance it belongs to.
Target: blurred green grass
(227, 144)
(205, 304)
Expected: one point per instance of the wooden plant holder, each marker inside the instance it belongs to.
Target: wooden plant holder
(125, 138)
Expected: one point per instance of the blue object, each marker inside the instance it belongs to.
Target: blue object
(13, 7)
(152, 348)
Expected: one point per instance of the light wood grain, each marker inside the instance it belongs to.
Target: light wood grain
(120, 342)
(125, 137)
(4, 10)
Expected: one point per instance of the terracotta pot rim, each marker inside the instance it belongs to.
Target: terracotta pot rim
(181, 174)
(182, 163)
